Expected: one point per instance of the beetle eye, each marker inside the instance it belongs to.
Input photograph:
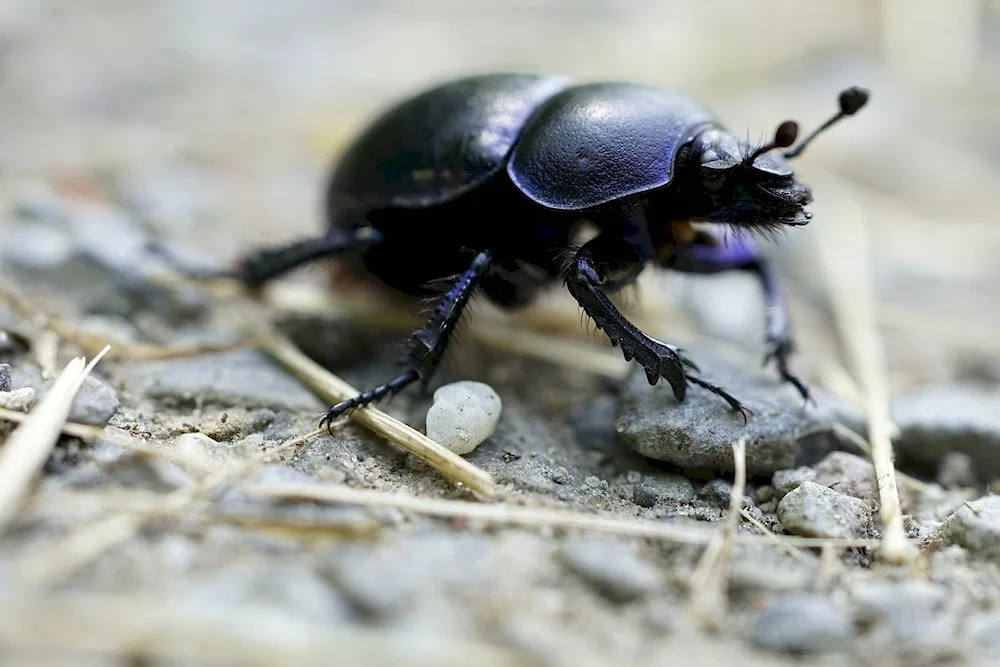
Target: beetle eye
(713, 179)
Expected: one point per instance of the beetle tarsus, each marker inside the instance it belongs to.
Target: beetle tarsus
(390, 388)
(734, 402)
(263, 266)
(425, 347)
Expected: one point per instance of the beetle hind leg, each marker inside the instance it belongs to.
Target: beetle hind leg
(425, 347)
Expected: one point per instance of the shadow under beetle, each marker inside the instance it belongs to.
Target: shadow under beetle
(488, 178)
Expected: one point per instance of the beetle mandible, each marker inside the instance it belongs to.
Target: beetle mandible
(488, 178)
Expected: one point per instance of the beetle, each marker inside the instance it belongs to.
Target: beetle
(487, 180)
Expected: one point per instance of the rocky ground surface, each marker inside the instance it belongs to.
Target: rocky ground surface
(278, 574)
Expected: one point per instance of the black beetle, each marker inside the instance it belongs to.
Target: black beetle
(487, 180)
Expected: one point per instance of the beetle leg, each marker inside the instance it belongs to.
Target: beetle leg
(425, 347)
(707, 254)
(265, 265)
(588, 277)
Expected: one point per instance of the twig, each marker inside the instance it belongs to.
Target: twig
(854, 305)
(497, 513)
(82, 431)
(775, 540)
(30, 444)
(333, 389)
(133, 627)
(50, 564)
(708, 582)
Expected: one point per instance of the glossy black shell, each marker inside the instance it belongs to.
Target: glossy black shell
(595, 143)
(439, 144)
(566, 147)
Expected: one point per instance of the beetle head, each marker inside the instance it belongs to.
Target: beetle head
(753, 186)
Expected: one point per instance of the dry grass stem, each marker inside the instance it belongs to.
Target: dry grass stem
(862, 444)
(854, 306)
(137, 629)
(333, 389)
(82, 431)
(29, 446)
(710, 577)
(775, 540)
(503, 514)
(50, 564)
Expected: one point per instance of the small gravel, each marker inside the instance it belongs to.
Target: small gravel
(812, 510)
(802, 624)
(611, 568)
(463, 415)
(976, 527)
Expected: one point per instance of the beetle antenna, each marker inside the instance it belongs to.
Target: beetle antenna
(784, 137)
(851, 100)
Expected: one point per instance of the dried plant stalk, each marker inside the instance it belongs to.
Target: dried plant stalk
(708, 583)
(854, 306)
(333, 389)
(28, 447)
(505, 514)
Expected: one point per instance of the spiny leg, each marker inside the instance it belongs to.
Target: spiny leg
(267, 264)
(592, 270)
(707, 254)
(262, 266)
(425, 347)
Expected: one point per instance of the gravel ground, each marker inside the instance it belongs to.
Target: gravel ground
(210, 129)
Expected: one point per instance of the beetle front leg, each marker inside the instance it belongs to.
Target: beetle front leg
(707, 254)
(425, 347)
(591, 273)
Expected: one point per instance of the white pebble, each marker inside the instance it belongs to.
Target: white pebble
(18, 400)
(463, 415)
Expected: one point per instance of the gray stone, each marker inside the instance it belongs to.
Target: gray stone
(940, 419)
(665, 488)
(956, 471)
(912, 611)
(802, 623)
(983, 631)
(848, 474)
(612, 568)
(699, 432)
(244, 377)
(18, 400)
(975, 526)
(717, 492)
(95, 403)
(817, 511)
(5, 382)
(785, 481)
(763, 569)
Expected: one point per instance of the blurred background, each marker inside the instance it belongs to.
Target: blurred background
(216, 123)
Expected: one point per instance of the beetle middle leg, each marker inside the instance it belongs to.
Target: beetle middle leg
(425, 347)
(605, 264)
(706, 254)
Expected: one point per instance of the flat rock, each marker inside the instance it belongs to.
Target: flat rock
(941, 419)
(812, 510)
(802, 624)
(246, 378)
(786, 481)
(975, 526)
(612, 568)
(699, 432)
